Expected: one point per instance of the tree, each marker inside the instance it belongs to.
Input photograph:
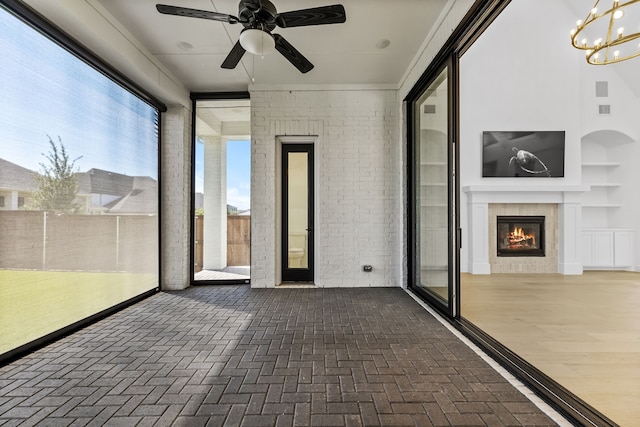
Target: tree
(57, 182)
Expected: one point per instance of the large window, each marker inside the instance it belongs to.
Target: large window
(79, 182)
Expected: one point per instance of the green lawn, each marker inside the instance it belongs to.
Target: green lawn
(36, 303)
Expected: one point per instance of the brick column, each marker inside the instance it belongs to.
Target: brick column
(215, 203)
(175, 198)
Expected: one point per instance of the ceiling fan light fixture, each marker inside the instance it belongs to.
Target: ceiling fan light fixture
(257, 42)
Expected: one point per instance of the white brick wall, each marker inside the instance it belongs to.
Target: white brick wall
(361, 187)
(175, 203)
(358, 201)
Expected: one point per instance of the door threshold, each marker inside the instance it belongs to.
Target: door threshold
(296, 285)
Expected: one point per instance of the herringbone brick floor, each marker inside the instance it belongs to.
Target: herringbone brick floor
(236, 356)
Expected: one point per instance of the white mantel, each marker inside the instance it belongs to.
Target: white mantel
(567, 197)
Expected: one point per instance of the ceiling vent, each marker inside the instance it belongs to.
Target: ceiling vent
(604, 110)
(602, 89)
(429, 109)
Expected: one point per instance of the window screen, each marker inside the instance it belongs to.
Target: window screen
(79, 185)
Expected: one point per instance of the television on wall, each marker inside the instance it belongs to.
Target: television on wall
(538, 154)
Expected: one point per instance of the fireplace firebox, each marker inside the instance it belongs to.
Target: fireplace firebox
(520, 236)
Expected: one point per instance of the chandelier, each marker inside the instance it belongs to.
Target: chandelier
(610, 35)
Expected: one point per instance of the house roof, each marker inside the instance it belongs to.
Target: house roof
(98, 181)
(139, 201)
(138, 194)
(15, 177)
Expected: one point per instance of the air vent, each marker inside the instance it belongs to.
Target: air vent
(429, 109)
(604, 110)
(602, 89)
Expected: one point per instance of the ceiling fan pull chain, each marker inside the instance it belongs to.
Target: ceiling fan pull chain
(262, 42)
(253, 68)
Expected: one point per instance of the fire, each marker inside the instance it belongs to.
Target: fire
(518, 237)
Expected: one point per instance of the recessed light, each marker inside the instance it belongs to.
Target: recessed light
(184, 46)
(383, 44)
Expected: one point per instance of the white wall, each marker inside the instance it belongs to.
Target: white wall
(358, 205)
(517, 77)
(625, 105)
(617, 136)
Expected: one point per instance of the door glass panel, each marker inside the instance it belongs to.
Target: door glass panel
(298, 210)
(432, 217)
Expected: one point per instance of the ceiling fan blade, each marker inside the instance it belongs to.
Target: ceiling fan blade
(292, 55)
(233, 57)
(334, 14)
(195, 13)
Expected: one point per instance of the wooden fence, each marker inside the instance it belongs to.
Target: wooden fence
(38, 240)
(238, 241)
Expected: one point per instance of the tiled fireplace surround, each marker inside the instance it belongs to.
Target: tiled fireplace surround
(562, 209)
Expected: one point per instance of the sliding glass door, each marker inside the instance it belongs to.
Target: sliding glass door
(432, 184)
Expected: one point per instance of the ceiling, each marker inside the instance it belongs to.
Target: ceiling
(341, 53)
(176, 55)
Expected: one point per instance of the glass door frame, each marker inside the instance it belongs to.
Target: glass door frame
(450, 307)
(195, 97)
(298, 274)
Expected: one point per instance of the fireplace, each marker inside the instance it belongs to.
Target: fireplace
(520, 236)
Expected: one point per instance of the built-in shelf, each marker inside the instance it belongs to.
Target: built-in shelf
(601, 205)
(601, 176)
(600, 164)
(605, 184)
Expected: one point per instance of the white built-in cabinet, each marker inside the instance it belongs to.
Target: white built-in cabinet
(607, 248)
(607, 242)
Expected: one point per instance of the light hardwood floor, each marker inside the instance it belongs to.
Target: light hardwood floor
(583, 331)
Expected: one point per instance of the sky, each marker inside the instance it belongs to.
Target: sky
(47, 92)
(238, 173)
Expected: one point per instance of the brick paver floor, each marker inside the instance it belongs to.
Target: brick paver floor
(236, 356)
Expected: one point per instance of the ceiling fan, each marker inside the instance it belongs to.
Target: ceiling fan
(259, 18)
